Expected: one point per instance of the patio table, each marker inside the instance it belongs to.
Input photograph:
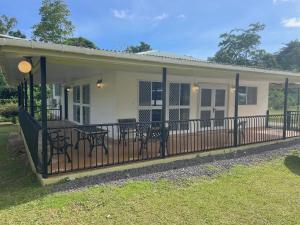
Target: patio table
(94, 135)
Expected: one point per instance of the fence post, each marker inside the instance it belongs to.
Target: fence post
(286, 86)
(60, 112)
(163, 119)
(44, 115)
(236, 109)
(66, 103)
(267, 118)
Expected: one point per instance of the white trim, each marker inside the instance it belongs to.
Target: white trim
(213, 87)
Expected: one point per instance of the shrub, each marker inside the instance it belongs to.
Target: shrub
(9, 110)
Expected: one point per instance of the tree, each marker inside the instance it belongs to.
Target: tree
(17, 33)
(7, 26)
(240, 47)
(80, 41)
(288, 57)
(54, 26)
(142, 47)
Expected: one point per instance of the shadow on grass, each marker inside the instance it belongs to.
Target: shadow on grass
(18, 184)
(292, 162)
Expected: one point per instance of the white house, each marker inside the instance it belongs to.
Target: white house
(100, 87)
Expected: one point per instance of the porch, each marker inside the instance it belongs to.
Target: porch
(72, 147)
(170, 117)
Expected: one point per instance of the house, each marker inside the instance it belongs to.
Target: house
(116, 107)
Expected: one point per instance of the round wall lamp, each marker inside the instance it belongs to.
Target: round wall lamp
(24, 66)
(196, 87)
(99, 83)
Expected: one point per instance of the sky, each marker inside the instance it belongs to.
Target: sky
(188, 27)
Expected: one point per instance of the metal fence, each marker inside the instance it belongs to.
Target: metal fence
(82, 147)
(31, 129)
(53, 112)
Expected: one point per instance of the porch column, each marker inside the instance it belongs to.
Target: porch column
(19, 95)
(66, 102)
(22, 94)
(236, 109)
(31, 103)
(44, 114)
(163, 112)
(285, 105)
(26, 95)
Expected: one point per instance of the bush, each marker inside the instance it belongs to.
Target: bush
(8, 92)
(9, 110)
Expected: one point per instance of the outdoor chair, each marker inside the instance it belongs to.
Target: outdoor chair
(241, 131)
(152, 133)
(58, 144)
(126, 128)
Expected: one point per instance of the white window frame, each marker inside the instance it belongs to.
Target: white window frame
(247, 87)
(88, 105)
(77, 103)
(148, 107)
(167, 99)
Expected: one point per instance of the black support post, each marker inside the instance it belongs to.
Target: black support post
(285, 105)
(19, 95)
(163, 112)
(26, 95)
(44, 114)
(22, 94)
(31, 103)
(236, 109)
(66, 103)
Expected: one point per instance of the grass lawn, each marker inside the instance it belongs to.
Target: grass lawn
(268, 193)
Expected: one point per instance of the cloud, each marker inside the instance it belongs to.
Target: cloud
(282, 1)
(121, 14)
(181, 16)
(161, 17)
(291, 22)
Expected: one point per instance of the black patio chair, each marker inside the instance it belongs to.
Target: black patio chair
(125, 128)
(149, 133)
(58, 145)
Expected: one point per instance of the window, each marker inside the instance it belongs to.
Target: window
(57, 89)
(83, 104)
(247, 95)
(76, 113)
(86, 94)
(85, 115)
(86, 104)
(76, 94)
(150, 101)
(179, 103)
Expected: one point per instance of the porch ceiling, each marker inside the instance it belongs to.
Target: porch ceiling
(65, 64)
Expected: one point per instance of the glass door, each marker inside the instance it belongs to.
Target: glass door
(212, 107)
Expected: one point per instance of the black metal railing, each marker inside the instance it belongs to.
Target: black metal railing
(31, 129)
(81, 147)
(53, 112)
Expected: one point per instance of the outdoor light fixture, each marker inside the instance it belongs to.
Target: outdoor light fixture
(68, 89)
(100, 83)
(24, 66)
(232, 89)
(196, 87)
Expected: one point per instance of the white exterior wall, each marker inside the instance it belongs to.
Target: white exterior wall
(119, 97)
(102, 100)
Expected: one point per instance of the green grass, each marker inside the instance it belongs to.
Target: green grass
(267, 193)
